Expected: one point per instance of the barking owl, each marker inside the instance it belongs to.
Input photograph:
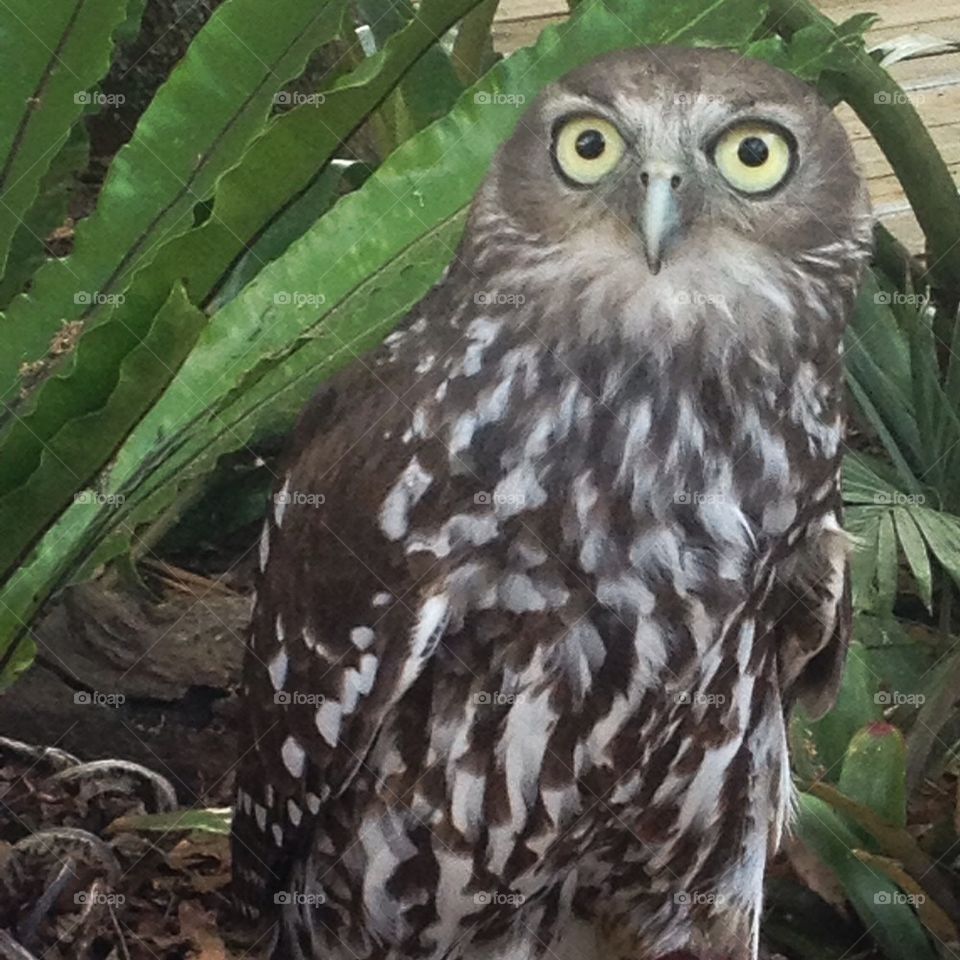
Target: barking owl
(544, 574)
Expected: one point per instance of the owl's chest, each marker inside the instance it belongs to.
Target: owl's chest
(651, 480)
(539, 420)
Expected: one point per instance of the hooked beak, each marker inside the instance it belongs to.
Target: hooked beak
(660, 217)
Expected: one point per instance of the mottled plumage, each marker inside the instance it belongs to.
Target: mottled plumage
(545, 572)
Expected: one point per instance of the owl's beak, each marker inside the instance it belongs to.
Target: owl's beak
(660, 216)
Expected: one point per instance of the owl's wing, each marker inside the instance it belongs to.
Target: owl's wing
(343, 624)
(812, 614)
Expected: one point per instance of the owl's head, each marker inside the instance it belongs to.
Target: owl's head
(659, 164)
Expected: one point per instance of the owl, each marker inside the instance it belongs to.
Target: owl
(544, 574)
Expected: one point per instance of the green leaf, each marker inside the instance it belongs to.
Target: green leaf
(874, 771)
(473, 52)
(874, 335)
(53, 53)
(927, 396)
(282, 163)
(933, 916)
(432, 86)
(863, 523)
(874, 416)
(901, 660)
(938, 699)
(886, 565)
(942, 533)
(130, 28)
(867, 479)
(878, 371)
(914, 549)
(123, 375)
(901, 859)
(825, 741)
(937, 418)
(211, 820)
(891, 515)
(291, 224)
(952, 384)
(216, 100)
(252, 200)
(881, 905)
(48, 212)
(259, 359)
(816, 47)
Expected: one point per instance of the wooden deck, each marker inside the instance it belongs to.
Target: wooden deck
(933, 82)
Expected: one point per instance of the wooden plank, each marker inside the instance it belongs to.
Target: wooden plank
(943, 70)
(511, 34)
(939, 107)
(945, 25)
(886, 195)
(891, 13)
(525, 18)
(529, 9)
(873, 163)
(904, 227)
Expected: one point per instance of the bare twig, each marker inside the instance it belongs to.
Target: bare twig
(11, 950)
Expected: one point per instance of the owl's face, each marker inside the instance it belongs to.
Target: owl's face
(671, 159)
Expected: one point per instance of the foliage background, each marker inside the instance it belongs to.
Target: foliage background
(289, 190)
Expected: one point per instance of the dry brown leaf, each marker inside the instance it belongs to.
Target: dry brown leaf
(935, 919)
(199, 928)
(815, 874)
(205, 858)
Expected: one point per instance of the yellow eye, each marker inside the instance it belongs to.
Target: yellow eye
(587, 149)
(753, 158)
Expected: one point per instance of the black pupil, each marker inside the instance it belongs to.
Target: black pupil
(753, 152)
(590, 144)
